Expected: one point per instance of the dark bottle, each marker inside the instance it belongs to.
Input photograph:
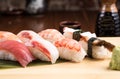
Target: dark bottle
(108, 21)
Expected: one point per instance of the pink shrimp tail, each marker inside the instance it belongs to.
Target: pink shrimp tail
(19, 50)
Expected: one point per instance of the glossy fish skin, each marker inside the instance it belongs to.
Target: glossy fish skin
(18, 50)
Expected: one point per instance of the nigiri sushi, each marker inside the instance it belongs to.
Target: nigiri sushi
(12, 48)
(40, 48)
(15, 51)
(86, 39)
(68, 48)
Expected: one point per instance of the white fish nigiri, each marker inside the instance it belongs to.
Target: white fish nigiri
(98, 52)
(12, 48)
(40, 48)
(68, 48)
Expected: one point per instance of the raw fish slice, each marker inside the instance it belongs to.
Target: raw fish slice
(15, 50)
(41, 48)
(68, 48)
(5, 35)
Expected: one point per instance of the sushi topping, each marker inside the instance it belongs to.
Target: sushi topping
(68, 43)
(90, 44)
(76, 35)
(104, 43)
(41, 48)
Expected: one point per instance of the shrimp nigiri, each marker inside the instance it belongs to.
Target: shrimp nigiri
(12, 48)
(68, 48)
(51, 35)
(40, 48)
(87, 40)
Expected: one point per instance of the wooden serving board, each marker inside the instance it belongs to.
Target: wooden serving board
(87, 69)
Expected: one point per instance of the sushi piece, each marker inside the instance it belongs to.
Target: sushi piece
(15, 51)
(88, 42)
(40, 48)
(97, 50)
(12, 48)
(69, 49)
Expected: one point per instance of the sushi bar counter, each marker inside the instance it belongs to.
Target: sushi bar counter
(87, 69)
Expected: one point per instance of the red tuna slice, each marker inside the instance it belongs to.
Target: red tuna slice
(19, 51)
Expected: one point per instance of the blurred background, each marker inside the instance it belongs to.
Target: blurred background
(48, 14)
(40, 6)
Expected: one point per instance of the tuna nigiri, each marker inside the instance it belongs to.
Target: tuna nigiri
(68, 48)
(40, 48)
(15, 51)
(12, 48)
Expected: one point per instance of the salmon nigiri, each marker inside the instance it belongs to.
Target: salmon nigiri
(40, 48)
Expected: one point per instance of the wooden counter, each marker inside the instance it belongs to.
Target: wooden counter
(87, 69)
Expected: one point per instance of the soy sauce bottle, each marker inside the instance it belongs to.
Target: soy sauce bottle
(108, 21)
